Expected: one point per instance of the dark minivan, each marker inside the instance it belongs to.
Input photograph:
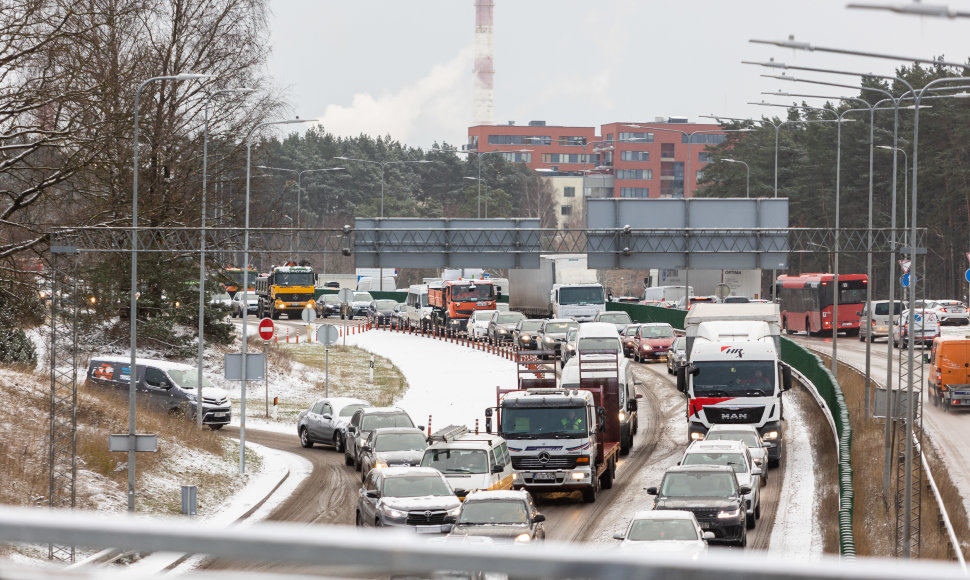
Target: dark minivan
(162, 384)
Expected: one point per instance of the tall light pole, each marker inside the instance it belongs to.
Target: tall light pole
(132, 313)
(382, 165)
(747, 187)
(299, 193)
(480, 181)
(205, 155)
(245, 286)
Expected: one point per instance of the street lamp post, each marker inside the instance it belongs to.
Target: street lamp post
(747, 187)
(479, 155)
(245, 284)
(480, 181)
(132, 313)
(205, 154)
(299, 194)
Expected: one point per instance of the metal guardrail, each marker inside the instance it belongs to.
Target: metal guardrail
(384, 552)
(957, 549)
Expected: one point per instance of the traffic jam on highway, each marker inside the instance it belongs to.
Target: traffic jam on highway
(561, 425)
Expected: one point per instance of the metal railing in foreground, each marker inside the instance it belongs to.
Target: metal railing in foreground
(384, 552)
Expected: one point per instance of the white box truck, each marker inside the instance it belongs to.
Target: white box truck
(733, 372)
(562, 287)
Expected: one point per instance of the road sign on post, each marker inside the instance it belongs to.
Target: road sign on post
(266, 329)
(308, 314)
(345, 295)
(908, 279)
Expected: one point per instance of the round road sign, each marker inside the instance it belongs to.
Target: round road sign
(266, 329)
(908, 278)
(345, 295)
(308, 315)
(722, 291)
(327, 334)
(967, 275)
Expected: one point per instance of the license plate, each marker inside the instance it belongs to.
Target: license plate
(705, 526)
(961, 393)
(221, 414)
(545, 477)
(428, 529)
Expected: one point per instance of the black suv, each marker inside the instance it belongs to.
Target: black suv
(366, 420)
(712, 493)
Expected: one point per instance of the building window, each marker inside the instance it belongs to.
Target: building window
(634, 192)
(671, 189)
(704, 157)
(634, 174)
(564, 158)
(667, 150)
(704, 138)
(639, 137)
(473, 142)
(675, 170)
(634, 156)
(519, 140)
(572, 141)
(566, 210)
(516, 157)
(569, 192)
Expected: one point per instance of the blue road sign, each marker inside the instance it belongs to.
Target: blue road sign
(910, 278)
(967, 275)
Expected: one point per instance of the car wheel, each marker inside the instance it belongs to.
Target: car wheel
(743, 542)
(356, 462)
(363, 475)
(606, 480)
(378, 523)
(215, 427)
(589, 494)
(358, 521)
(749, 521)
(338, 443)
(757, 510)
(348, 460)
(305, 439)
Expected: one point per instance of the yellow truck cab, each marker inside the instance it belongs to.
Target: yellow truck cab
(469, 461)
(949, 377)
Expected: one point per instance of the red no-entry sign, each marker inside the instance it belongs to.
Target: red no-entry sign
(266, 329)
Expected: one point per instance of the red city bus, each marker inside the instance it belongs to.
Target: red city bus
(806, 302)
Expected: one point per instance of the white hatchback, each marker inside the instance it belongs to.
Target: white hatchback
(665, 531)
(478, 324)
(926, 328)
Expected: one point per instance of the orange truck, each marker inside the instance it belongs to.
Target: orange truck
(949, 380)
(452, 302)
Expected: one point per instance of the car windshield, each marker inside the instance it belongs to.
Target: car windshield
(416, 486)
(665, 331)
(581, 295)
(651, 530)
(510, 317)
(456, 460)
(734, 460)
(400, 442)
(733, 378)
(386, 304)
(241, 296)
(331, 299)
(349, 410)
(544, 422)
(708, 484)
(599, 343)
(472, 292)
(678, 344)
(293, 278)
(530, 325)
(380, 421)
(188, 379)
(750, 439)
(363, 297)
(615, 317)
(558, 327)
(493, 512)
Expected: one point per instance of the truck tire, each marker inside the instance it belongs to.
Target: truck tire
(606, 480)
(589, 494)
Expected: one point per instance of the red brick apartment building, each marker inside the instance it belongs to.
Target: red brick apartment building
(623, 160)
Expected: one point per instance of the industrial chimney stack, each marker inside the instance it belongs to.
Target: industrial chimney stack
(484, 71)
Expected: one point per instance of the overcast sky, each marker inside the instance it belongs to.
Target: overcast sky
(404, 68)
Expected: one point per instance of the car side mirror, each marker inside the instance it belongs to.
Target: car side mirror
(601, 418)
(786, 377)
(351, 429)
(622, 536)
(708, 535)
(498, 468)
(756, 471)
(365, 448)
(539, 518)
(327, 416)
(420, 427)
(488, 425)
(652, 491)
(371, 493)
(682, 379)
(744, 490)
(451, 519)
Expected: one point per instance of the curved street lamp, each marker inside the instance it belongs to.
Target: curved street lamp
(747, 187)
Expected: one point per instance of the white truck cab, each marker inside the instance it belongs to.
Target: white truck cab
(581, 302)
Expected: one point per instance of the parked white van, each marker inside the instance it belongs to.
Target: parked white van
(468, 461)
(569, 379)
(418, 311)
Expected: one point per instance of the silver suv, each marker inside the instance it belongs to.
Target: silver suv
(366, 420)
(414, 497)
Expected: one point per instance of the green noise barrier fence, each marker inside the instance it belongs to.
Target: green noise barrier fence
(813, 369)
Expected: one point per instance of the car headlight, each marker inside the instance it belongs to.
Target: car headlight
(726, 514)
(571, 347)
(548, 339)
(695, 436)
(393, 513)
(770, 435)
(380, 465)
(454, 511)
(647, 347)
(622, 416)
(191, 397)
(526, 338)
(502, 331)
(523, 538)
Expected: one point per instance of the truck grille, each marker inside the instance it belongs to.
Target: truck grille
(532, 462)
(734, 414)
(293, 297)
(423, 518)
